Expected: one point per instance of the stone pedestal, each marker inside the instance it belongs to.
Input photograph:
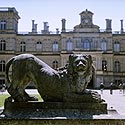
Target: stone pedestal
(53, 110)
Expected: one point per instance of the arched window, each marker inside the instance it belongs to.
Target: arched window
(39, 46)
(2, 66)
(55, 46)
(86, 44)
(2, 25)
(117, 66)
(22, 46)
(103, 45)
(2, 45)
(104, 65)
(69, 45)
(55, 64)
(116, 46)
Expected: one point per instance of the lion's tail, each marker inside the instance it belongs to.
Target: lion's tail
(8, 64)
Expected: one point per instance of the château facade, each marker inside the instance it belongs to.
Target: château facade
(106, 47)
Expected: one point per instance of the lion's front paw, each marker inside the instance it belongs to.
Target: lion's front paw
(86, 91)
(96, 96)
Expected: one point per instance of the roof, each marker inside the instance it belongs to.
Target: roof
(86, 11)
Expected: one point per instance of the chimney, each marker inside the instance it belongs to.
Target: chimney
(108, 25)
(46, 28)
(63, 25)
(33, 26)
(122, 30)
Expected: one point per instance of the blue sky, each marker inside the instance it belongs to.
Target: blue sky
(52, 11)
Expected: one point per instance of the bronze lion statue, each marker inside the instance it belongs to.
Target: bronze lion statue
(67, 84)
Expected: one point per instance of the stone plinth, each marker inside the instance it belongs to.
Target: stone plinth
(62, 122)
(50, 110)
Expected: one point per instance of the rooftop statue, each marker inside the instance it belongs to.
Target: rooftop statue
(66, 84)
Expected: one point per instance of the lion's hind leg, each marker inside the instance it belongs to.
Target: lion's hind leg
(25, 82)
(17, 91)
(15, 94)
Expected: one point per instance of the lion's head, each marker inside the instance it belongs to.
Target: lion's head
(80, 70)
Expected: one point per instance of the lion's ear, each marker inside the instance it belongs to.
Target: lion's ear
(71, 56)
(90, 59)
(70, 66)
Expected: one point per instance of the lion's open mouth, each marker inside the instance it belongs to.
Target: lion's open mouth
(81, 67)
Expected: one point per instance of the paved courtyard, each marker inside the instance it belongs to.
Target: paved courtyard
(115, 101)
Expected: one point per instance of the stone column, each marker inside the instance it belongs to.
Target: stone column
(63, 25)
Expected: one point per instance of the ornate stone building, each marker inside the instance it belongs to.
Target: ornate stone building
(106, 47)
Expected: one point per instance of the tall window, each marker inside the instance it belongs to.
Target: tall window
(2, 66)
(39, 46)
(116, 46)
(69, 45)
(94, 45)
(86, 44)
(103, 45)
(78, 43)
(104, 65)
(117, 66)
(2, 81)
(22, 46)
(2, 25)
(2, 45)
(55, 46)
(55, 64)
